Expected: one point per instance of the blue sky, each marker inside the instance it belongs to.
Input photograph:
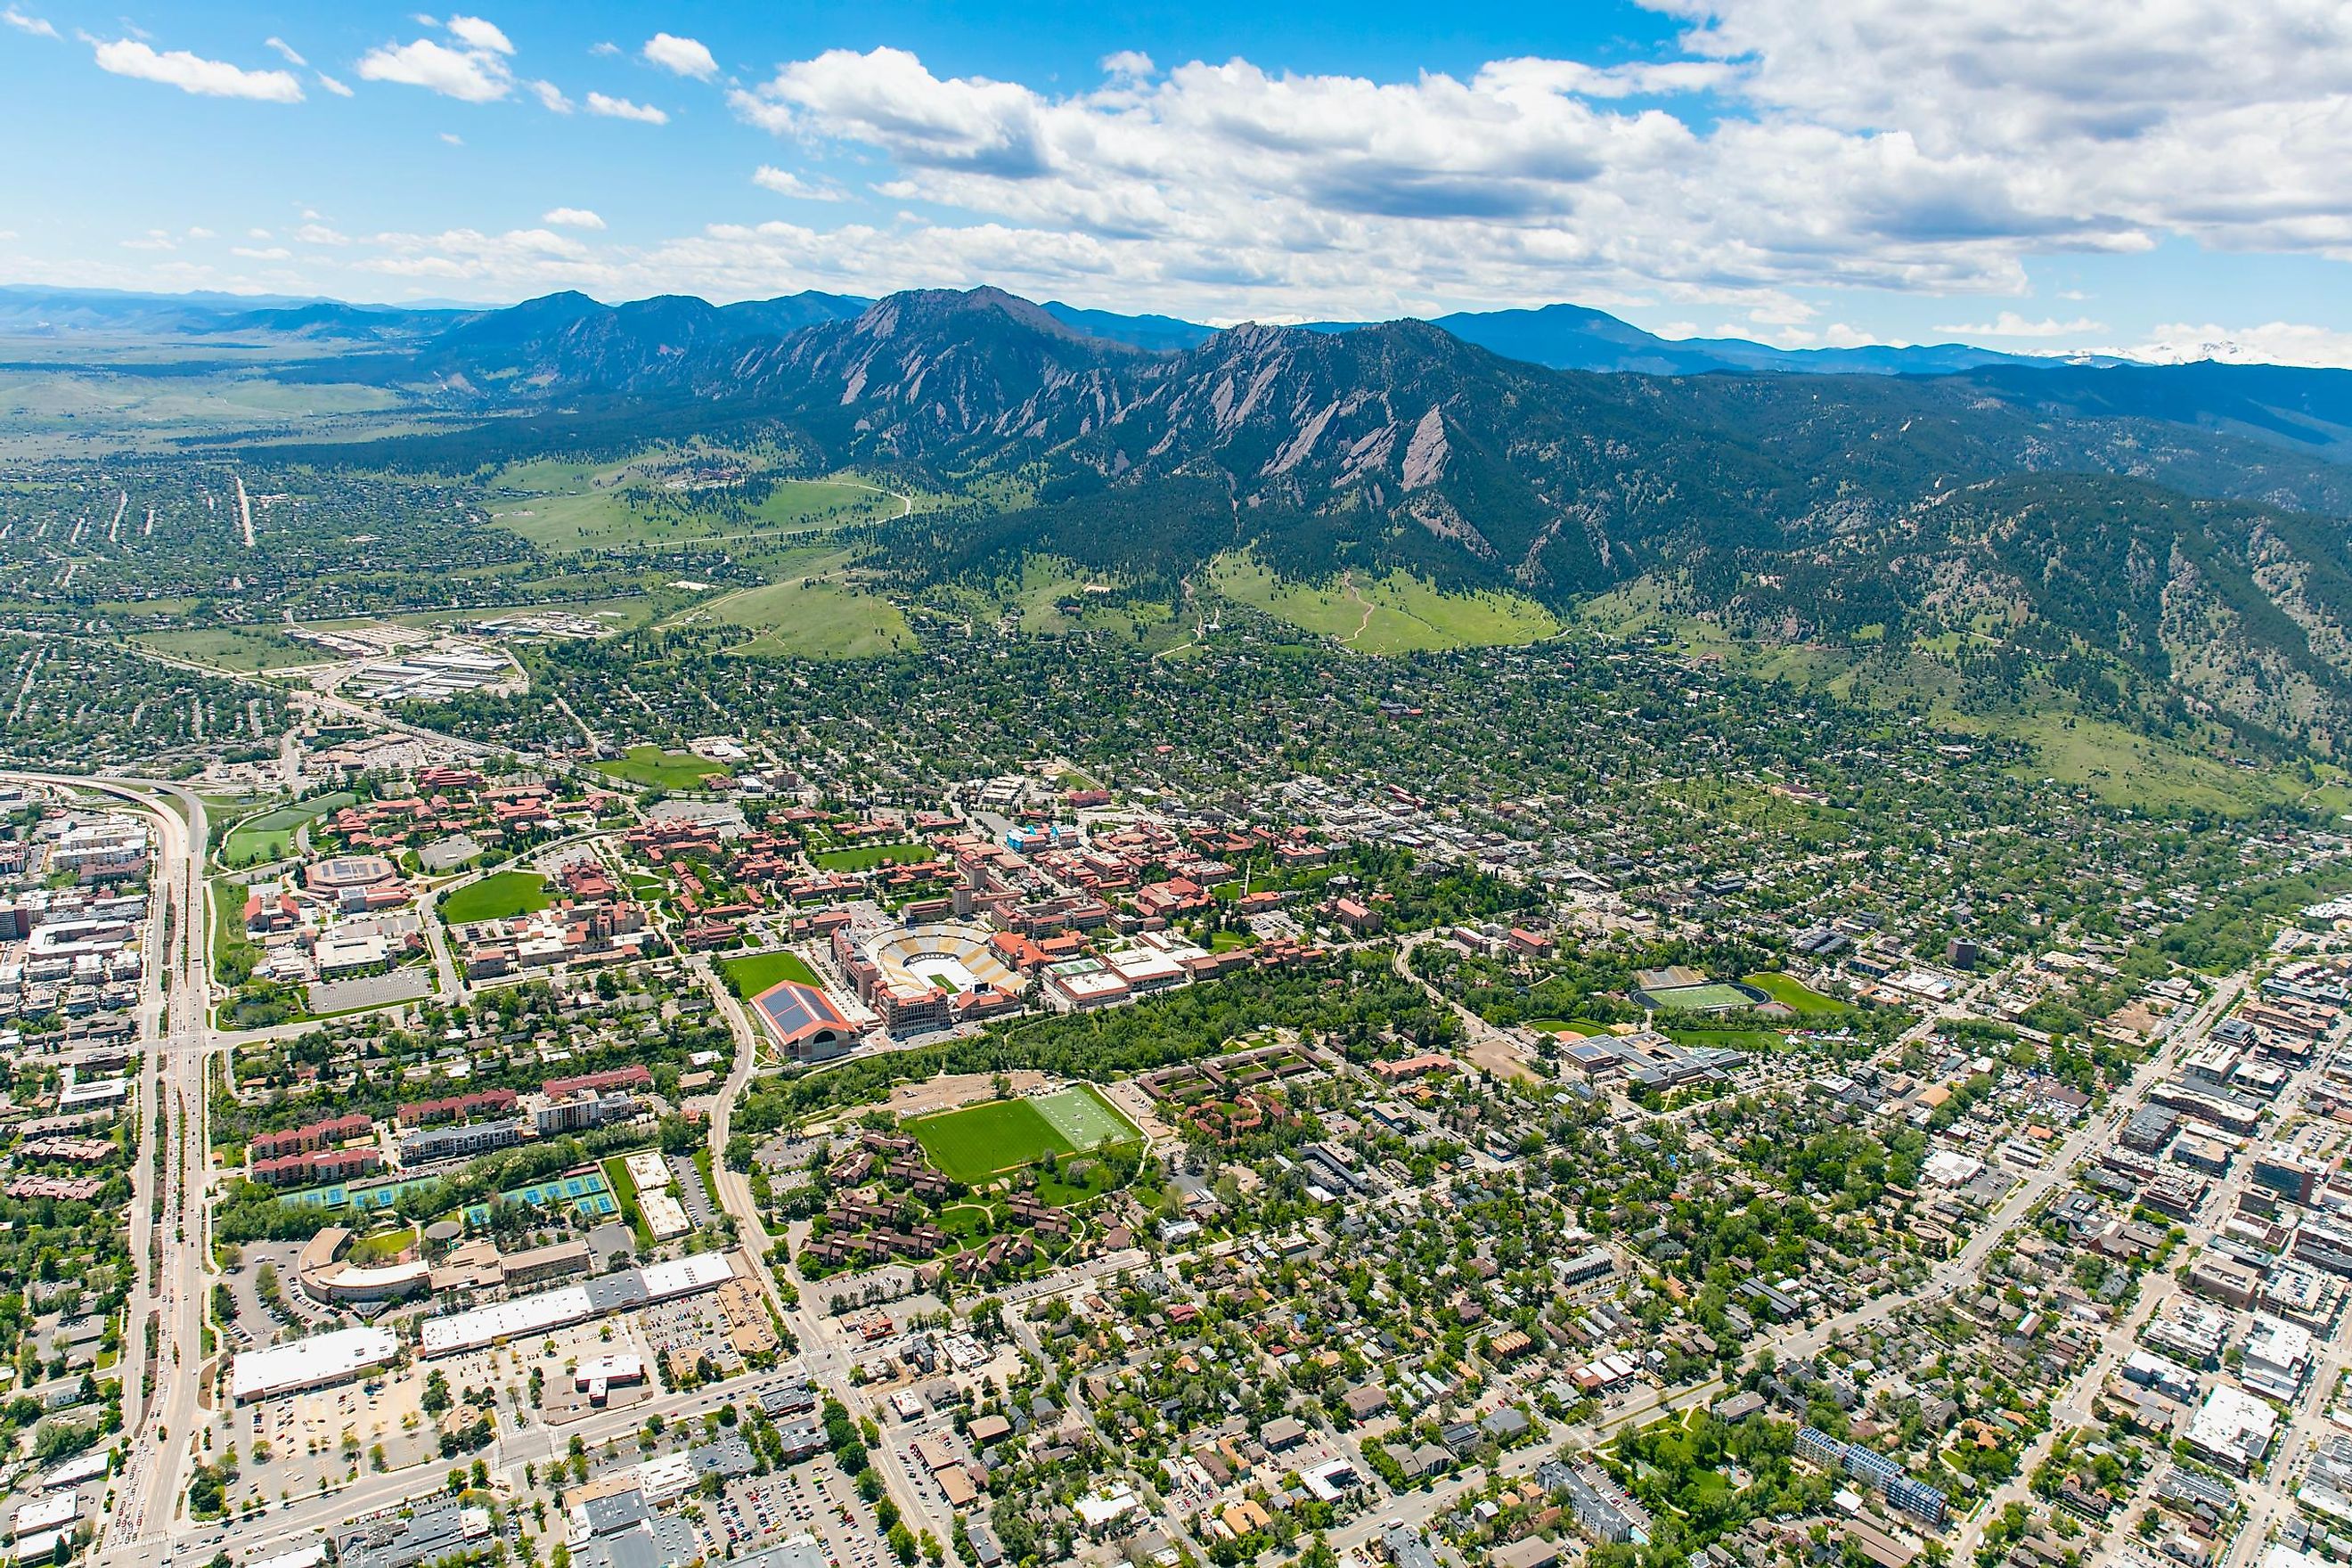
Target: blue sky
(1806, 172)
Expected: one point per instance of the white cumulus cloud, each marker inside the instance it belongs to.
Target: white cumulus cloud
(193, 73)
(40, 26)
(686, 57)
(571, 217)
(332, 85)
(622, 109)
(472, 68)
(550, 97)
(285, 51)
(476, 34)
(1772, 146)
(784, 183)
(2010, 324)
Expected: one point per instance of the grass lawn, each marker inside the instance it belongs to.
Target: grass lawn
(657, 769)
(977, 1144)
(382, 1247)
(1064, 1194)
(1226, 941)
(228, 922)
(234, 647)
(967, 1219)
(1795, 995)
(747, 977)
(625, 1193)
(497, 897)
(270, 836)
(1085, 1117)
(1563, 1026)
(866, 857)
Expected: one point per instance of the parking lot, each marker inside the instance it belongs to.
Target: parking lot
(331, 1435)
(810, 1499)
(690, 1329)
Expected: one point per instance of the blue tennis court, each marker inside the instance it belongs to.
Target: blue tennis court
(584, 1191)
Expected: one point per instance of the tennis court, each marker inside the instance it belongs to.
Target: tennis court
(585, 1191)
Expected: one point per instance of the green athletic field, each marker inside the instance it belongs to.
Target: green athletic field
(749, 976)
(977, 1144)
(866, 857)
(657, 769)
(497, 897)
(1085, 1117)
(1713, 997)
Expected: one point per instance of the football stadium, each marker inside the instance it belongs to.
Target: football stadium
(928, 977)
(1680, 988)
(947, 956)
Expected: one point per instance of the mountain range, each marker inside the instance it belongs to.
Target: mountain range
(2165, 545)
(1565, 337)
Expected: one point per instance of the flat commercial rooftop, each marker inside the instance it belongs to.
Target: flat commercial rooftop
(310, 1363)
(546, 1309)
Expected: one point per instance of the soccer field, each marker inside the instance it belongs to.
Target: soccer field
(977, 1144)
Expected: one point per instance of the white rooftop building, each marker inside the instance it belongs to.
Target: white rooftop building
(335, 1356)
(2233, 1428)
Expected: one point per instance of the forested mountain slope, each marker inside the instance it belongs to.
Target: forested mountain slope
(2136, 535)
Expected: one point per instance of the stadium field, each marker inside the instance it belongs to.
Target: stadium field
(1716, 996)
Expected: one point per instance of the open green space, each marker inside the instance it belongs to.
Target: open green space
(866, 857)
(48, 412)
(566, 507)
(1795, 995)
(240, 649)
(498, 896)
(1395, 613)
(978, 1143)
(748, 976)
(228, 931)
(381, 1246)
(811, 617)
(657, 769)
(269, 837)
(1563, 1026)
